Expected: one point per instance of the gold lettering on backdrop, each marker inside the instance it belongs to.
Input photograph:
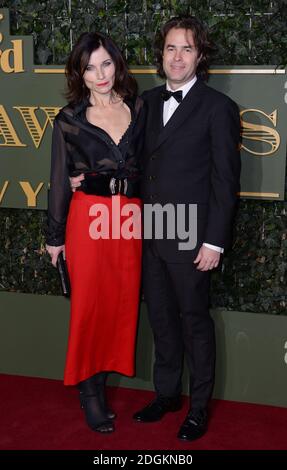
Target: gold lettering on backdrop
(3, 190)
(11, 60)
(7, 131)
(260, 133)
(30, 193)
(31, 121)
(1, 35)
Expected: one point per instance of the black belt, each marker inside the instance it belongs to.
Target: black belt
(105, 185)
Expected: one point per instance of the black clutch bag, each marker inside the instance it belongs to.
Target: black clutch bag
(64, 275)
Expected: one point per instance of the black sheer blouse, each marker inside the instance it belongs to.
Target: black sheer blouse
(81, 147)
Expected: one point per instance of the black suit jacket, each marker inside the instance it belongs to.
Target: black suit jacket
(194, 159)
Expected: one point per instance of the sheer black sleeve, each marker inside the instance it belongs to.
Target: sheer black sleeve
(60, 193)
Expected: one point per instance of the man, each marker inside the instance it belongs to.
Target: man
(191, 157)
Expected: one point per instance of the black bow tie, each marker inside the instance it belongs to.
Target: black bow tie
(166, 95)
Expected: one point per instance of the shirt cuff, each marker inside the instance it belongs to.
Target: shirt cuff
(213, 247)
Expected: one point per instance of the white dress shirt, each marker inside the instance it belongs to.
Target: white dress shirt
(169, 108)
(171, 105)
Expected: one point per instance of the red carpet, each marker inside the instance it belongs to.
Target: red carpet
(43, 414)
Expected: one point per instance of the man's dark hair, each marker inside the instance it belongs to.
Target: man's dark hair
(125, 85)
(201, 40)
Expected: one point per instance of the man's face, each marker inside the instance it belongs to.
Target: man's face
(180, 57)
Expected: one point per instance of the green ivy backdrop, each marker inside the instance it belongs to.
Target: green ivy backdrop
(253, 275)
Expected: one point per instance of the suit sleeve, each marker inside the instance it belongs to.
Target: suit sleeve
(60, 193)
(225, 172)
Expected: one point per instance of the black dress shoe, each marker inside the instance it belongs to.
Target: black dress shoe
(155, 410)
(194, 426)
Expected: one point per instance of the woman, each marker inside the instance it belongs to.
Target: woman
(97, 134)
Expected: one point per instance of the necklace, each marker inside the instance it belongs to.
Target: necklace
(115, 98)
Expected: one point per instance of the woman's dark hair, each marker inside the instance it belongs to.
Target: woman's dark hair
(202, 42)
(125, 85)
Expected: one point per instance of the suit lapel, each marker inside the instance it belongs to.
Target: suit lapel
(156, 111)
(183, 111)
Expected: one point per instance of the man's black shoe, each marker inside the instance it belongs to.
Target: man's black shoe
(155, 410)
(194, 426)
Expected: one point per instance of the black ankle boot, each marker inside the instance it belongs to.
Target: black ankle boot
(101, 380)
(99, 383)
(95, 414)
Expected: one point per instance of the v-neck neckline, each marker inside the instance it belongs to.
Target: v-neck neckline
(104, 131)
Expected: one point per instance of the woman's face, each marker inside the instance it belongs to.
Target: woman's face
(99, 75)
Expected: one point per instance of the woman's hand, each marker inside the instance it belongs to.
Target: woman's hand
(75, 181)
(54, 252)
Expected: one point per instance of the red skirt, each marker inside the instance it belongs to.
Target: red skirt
(105, 276)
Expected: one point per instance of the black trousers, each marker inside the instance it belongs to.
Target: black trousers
(177, 297)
